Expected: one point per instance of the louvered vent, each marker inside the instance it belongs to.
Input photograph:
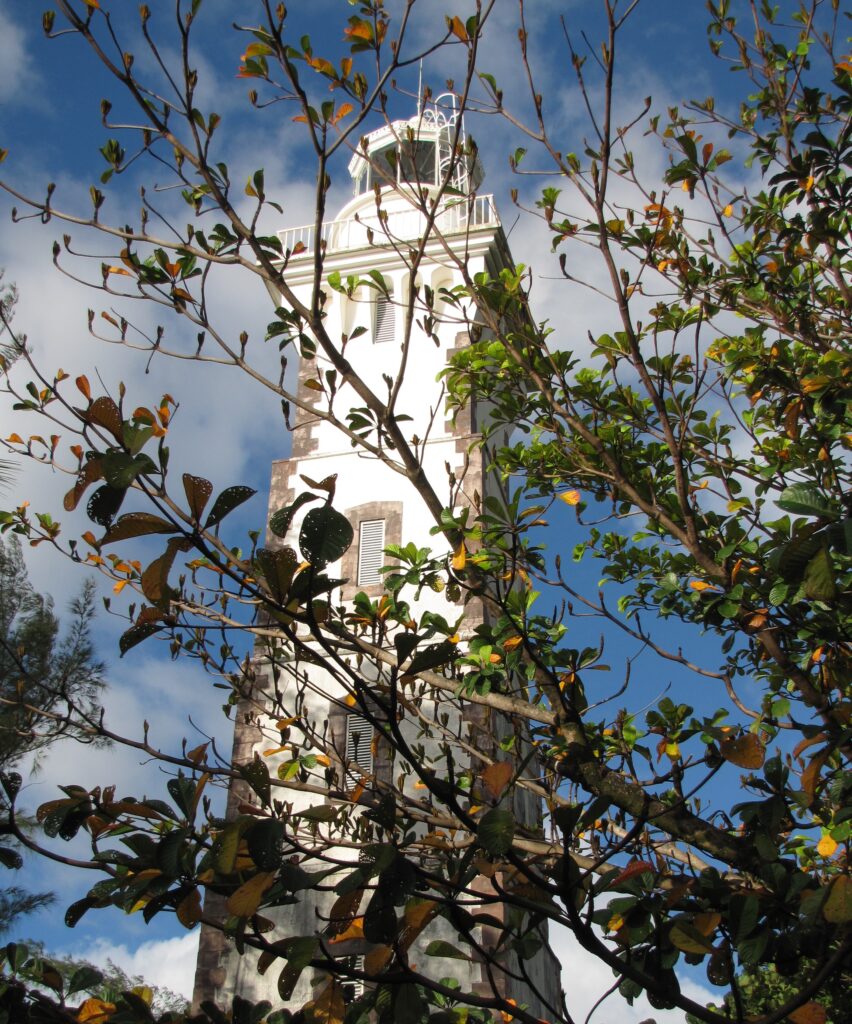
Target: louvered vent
(371, 543)
(359, 748)
(385, 317)
(354, 988)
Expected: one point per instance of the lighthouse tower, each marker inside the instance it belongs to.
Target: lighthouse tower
(416, 218)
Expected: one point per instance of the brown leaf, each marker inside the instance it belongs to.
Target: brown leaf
(744, 751)
(198, 491)
(343, 911)
(497, 777)
(188, 911)
(377, 960)
(809, 1013)
(104, 413)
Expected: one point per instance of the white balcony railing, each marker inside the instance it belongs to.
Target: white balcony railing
(404, 224)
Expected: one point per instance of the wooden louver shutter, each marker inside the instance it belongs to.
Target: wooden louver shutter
(359, 747)
(371, 543)
(385, 318)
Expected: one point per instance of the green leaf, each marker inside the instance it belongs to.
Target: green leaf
(804, 500)
(432, 657)
(84, 979)
(277, 565)
(440, 948)
(299, 952)
(228, 500)
(496, 831)
(280, 521)
(121, 469)
(819, 577)
(324, 812)
(76, 911)
(325, 536)
(256, 775)
(265, 842)
(104, 504)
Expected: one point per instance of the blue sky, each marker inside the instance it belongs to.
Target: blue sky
(49, 122)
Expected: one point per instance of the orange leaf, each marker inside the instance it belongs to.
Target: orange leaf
(744, 751)
(95, 1011)
(638, 867)
(83, 384)
(700, 585)
(512, 643)
(570, 497)
(354, 931)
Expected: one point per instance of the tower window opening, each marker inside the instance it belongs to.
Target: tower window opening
(371, 542)
(385, 317)
(353, 988)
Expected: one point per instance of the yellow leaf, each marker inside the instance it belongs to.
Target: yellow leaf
(728, 211)
(685, 937)
(145, 993)
(826, 846)
(513, 642)
(329, 1006)
(246, 899)
(838, 906)
(92, 3)
(570, 497)
(459, 558)
(95, 1011)
(615, 923)
(456, 26)
(673, 750)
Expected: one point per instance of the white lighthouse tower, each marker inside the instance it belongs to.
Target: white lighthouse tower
(414, 222)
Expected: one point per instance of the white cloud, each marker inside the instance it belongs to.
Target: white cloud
(167, 963)
(585, 979)
(16, 74)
